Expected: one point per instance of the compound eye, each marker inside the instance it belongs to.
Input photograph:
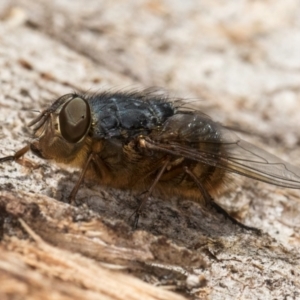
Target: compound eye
(75, 120)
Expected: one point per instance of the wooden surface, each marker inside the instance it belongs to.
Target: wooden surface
(239, 62)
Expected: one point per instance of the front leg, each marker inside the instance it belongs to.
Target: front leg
(71, 198)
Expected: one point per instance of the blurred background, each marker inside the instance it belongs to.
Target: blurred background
(241, 57)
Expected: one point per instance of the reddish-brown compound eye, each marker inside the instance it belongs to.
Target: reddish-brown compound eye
(75, 120)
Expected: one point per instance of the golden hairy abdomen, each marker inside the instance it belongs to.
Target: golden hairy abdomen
(125, 167)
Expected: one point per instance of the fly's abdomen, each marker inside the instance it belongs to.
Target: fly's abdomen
(197, 140)
(127, 115)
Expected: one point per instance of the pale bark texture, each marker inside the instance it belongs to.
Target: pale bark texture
(238, 61)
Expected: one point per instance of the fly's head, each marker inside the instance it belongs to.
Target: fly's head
(61, 130)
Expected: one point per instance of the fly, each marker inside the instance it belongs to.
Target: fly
(144, 142)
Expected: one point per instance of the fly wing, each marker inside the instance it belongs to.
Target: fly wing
(251, 161)
(198, 138)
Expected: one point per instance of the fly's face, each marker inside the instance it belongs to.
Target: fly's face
(62, 129)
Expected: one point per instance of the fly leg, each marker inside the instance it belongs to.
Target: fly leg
(147, 194)
(19, 158)
(210, 203)
(71, 198)
(17, 155)
(95, 150)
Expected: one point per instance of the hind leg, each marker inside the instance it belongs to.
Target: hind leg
(210, 203)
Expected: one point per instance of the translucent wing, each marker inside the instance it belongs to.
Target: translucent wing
(198, 138)
(246, 159)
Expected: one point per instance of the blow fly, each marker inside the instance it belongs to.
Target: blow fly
(145, 142)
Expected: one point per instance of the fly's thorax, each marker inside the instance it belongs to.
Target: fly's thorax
(127, 115)
(62, 131)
